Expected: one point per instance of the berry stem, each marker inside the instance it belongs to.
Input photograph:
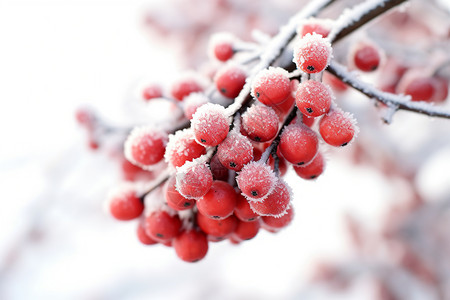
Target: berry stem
(163, 177)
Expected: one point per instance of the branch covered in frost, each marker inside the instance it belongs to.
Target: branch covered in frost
(398, 102)
(352, 19)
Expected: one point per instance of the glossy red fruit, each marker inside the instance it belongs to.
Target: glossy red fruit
(313, 98)
(282, 165)
(366, 58)
(312, 53)
(246, 230)
(271, 86)
(219, 202)
(194, 180)
(278, 223)
(219, 229)
(221, 46)
(243, 211)
(298, 144)
(256, 180)
(161, 226)
(276, 203)
(125, 205)
(337, 128)
(185, 85)
(145, 146)
(151, 91)
(312, 170)
(260, 123)
(191, 245)
(174, 199)
(143, 237)
(210, 124)
(235, 151)
(230, 80)
(182, 147)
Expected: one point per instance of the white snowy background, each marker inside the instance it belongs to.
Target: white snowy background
(56, 241)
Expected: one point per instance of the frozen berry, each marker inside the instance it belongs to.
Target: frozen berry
(256, 180)
(243, 211)
(174, 199)
(312, 53)
(366, 57)
(194, 180)
(230, 80)
(298, 144)
(219, 229)
(125, 205)
(313, 98)
(271, 86)
(312, 170)
(235, 151)
(182, 147)
(161, 226)
(219, 202)
(276, 203)
(151, 91)
(337, 128)
(260, 123)
(210, 124)
(145, 146)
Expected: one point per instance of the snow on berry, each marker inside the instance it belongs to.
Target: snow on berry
(312, 53)
(194, 179)
(338, 128)
(271, 86)
(313, 98)
(145, 146)
(256, 180)
(192, 102)
(235, 151)
(182, 147)
(210, 124)
(313, 25)
(298, 144)
(174, 199)
(276, 204)
(260, 123)
(230, 80)
(152, 91)
(220, 46)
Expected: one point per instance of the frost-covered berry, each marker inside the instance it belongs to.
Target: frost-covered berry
(194, 179)
(312, 53)
(337, 128)
(145, 146)
(221, 46)
(276, 224)
(191, 245)
(192, 102)
(260, 123)
(313, 98)
(313, 25)
(235, 151)
(152, 91)
(271, 86)
(276, 203)
(243, 211)
(174, 199)
(246, 230)
(219, 202)
(219, 229)
(125, 205)
(366, 57)
(161, 226)
(298, 144)
(143, 237)
(256, 180)
(230, 80)
(312, 170)
(210, 124)
(182, 147)
(185, 85)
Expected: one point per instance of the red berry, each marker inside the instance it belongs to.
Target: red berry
(185, 85)
(219, 229)
(152, 91)
(182, 147)
(192, 102)
(210, 124)
(336, 84)
(218, 171)
(260, 123)
(312, 25)
(278, 223)
(312, 53)
(243, 211)
(194, 180)
(312, 170)
(298, 144)
(174, 199)
(161, 226)
(235, 151)
(282, 165)
(191, 245)
(440, 89)
(230, 80)
(366, 58)
(276, 203)
(143, 237)
(125, 205)
(271, 86)
(420, 89)
(219, 202)
(132, 172)
(145, 146)
(313, 98)
(337, 128)
(221, 46)
(256, 180)
(86, 117)
(246, 230)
